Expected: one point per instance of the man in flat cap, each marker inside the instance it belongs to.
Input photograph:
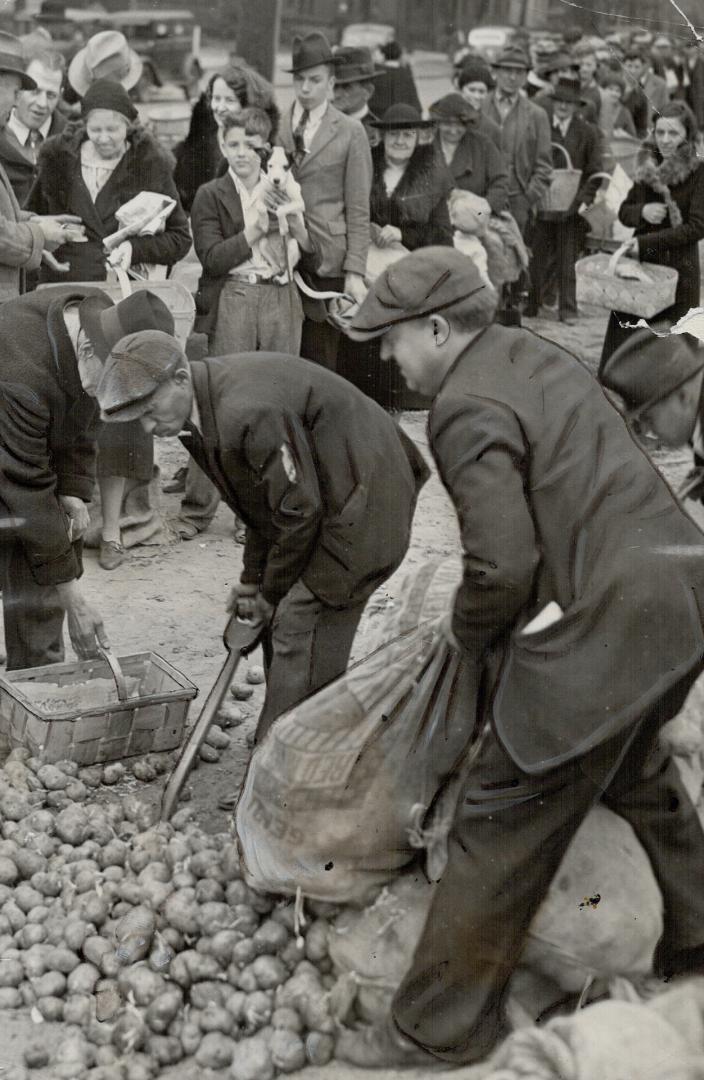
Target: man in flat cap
(583, 630)
(54, 344)
(322, 477)
(659, 380)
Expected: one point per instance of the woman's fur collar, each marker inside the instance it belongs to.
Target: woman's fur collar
(672, 171)
(61, 154)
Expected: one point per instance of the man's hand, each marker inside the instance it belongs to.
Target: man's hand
(654, 213)
(388, 236)
(85, 625)
(247, 603)
(121, 256)
(355, 287)
(77, 513)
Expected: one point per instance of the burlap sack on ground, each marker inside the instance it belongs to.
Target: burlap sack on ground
(572, 936)
(340, 787)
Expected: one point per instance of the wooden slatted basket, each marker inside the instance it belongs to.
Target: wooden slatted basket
(154, 719)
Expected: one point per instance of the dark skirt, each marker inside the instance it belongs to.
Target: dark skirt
(125, 450)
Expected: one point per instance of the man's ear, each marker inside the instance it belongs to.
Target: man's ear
(440, 328)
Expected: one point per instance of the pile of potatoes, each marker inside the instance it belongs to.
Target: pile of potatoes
(146, 943)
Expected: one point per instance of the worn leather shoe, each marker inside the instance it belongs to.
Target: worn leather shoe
(382, 1046)
(111, 555)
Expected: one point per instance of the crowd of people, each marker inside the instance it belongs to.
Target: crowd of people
(332, 240)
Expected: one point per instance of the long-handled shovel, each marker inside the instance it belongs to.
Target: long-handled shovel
(240, 638)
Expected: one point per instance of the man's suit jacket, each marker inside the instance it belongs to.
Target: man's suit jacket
(47, 430)
(324, 479)
(525, 140)
(557, 502)
(336, 178)
(19, 164)
(21, 242)
(695, 90)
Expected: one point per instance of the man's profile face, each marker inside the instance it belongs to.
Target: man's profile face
(34, 107)
(412, 346)
(314, 86)
(90, 366)
(169, 406)
(350, 98)
(9, 86)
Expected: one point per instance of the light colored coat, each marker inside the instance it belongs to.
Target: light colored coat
(21, 243)
(336, 179)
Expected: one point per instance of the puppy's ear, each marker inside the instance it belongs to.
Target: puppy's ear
(290, 158)
(264, 154)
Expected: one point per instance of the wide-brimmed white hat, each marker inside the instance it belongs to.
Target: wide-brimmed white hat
(106, 55)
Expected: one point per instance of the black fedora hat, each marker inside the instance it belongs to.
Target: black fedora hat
(401, 117)
(310, 51)
(12, 60)
(105, 322)
(354, 64)
(568, 89)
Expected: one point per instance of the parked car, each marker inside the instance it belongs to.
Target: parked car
(367, 35)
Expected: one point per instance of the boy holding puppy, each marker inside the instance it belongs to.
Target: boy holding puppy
(240, 305)
(243, 304)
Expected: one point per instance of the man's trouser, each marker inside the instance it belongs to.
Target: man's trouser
(307, 646)
(32, 615)
(507, 842)
(555, 245)
(320, 340)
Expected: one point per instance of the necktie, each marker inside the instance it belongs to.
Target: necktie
(33, 143)
(298, 140)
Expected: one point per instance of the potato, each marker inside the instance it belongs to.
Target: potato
(51, 1008)
(161, 954)
(216, 1051)
(11, 972)
(114, 853)
(114, 772)
(140, 1067)
(319, 1048)
(139, 812)
(179, 973)
(213, 917)
(208, 754)
(269, 971)
(92, 908)
(15, 805)
(10, 998)
(209, 891)
(36, 1055)
(166, 1049)
(47, 882)
(30, 862)
(64, 960)
(144, 770)
(248, 981)
(78, 1009)
(191, 1037)
(72, 825)
(182, 913)
(31, 934)
(216, 737)
(252, 1060)
(52, 778)
(75, 933)
(53, 984)
(235, 1003)
(317, 940)
(164, 1009)
(206, 863)
(94, 947)
(130, 1032)
(71, 768)
(293, 953)
(216, 1018)
(14, 915)
(287, 1020)
(92, 775)
(241, 692)
(255, 675)
(146, 985)
(208, 993)
(270, 937)
(257, 1010)
(288, 1052)
(182, 817)
(82, 979)
(9, 872)
(77, 791)
(184, 879)
(106, 1055)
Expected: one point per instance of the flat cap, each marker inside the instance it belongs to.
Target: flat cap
(647, 368)
(137, 365)
(424, 282)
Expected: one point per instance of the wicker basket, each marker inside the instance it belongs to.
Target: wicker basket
(152, 721)
(598, 284)
(564, 186)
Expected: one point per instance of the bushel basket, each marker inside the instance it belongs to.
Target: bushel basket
(617, 284)
(564, 186)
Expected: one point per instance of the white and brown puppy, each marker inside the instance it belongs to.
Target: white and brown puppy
(281, 195)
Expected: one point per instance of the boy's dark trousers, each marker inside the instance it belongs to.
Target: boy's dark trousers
(320, 340)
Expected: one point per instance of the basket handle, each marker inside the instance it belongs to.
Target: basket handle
(618, 254)
(114, 665)
(568, 159)
(601, 175)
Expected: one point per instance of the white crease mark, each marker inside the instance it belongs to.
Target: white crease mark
(692, 323)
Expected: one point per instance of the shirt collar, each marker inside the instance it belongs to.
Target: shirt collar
(244, 194)
(314, 115)
(22, 132)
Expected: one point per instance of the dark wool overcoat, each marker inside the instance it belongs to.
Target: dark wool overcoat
(324, 479)
(60, 189)
(418, 205)
(557, 502)
(47, 430)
